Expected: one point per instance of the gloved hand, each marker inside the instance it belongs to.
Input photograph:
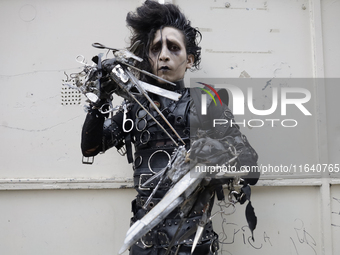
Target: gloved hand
(210, 151)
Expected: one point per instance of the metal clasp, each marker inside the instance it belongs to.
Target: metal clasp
(140, 185)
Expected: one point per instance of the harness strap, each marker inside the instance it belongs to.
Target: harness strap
(128, 147)
(196, 96)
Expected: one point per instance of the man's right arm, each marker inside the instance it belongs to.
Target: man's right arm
(100, 133)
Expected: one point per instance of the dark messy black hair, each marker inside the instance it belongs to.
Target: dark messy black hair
(152, 16)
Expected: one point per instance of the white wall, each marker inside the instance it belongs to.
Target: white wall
(51, 203)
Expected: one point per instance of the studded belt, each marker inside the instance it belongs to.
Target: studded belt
(162, 234)
(140, 180)
(140, 201)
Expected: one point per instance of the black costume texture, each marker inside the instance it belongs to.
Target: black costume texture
(152, 150)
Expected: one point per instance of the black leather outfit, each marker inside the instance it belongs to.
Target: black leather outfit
(152, 152)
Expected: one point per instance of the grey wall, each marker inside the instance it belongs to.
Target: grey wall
(51, 203)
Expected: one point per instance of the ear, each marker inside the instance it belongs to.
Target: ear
(190, 61)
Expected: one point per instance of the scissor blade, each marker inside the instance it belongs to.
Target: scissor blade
(198, 235)
(149, 74)
(155, 107)
(173, 198)
(142, 90)
(163, 117)
(159, 91)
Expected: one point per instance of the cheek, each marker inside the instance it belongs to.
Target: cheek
(182, 63)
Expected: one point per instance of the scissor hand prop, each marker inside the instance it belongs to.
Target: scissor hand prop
(103, 78)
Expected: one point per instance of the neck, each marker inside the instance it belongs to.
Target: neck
(180, 84)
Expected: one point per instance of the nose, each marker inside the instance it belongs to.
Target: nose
(164, 54)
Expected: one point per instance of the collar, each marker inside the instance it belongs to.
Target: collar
(179, 85)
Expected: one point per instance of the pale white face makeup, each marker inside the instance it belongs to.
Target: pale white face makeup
(169, 59)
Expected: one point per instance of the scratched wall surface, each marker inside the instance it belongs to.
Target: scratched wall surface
(40, 135)
(54, 204)
(332, 55)
(284, 226)
(253, 38)
(63, 222)
(335, 200)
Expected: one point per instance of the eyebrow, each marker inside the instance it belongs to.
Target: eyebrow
(174, 40)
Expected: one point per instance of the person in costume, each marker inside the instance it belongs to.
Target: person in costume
(168, 45)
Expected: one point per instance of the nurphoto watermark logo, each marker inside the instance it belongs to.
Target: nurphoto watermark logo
(282, 98)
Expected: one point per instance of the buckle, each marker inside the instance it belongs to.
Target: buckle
(157, 238)
(147, 240)
(142, 179)
(88, 160)
(122, 151)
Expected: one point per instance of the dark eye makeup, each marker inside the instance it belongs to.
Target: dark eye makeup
(172, 46)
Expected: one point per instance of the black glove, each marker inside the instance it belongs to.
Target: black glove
(210, 151)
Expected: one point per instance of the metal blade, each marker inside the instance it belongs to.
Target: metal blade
(141, 105)
(149, 74)
(163, 117)
(159, 91)
(134, 47)
(197, 237)
(136, 82)
(171, 200)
